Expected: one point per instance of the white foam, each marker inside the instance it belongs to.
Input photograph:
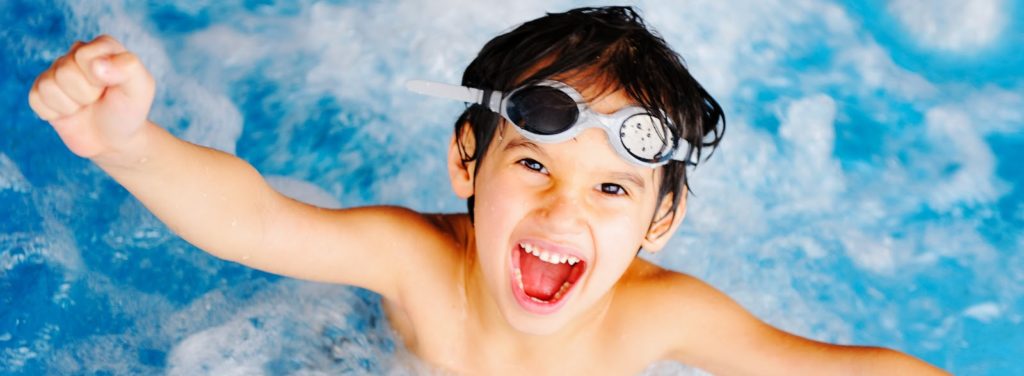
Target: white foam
(973, 181)
(994, 110)
(952, 25)
(116, 353)
(984, 312)
(808, 129)
(670, 368)
(11, 177)
(214, 119)
(719, 56)
(810, 247)
(135, 228)
(874, 69)
(55, 243)
(235, 348)
(808, 126)
(288, 320)
(869, 252)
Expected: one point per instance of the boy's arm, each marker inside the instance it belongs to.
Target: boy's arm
(716, 334)
(97, 98)
(222, 205)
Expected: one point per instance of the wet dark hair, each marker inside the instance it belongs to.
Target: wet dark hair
(610, 46)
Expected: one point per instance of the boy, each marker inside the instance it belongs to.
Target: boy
(572, 158)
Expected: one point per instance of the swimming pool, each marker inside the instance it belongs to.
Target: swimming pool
(868, 190)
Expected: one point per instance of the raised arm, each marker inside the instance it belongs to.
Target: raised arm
(714, 333)
(97, 98)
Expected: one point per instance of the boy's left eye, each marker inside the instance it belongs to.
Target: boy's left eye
(613, 189)
(533, 165)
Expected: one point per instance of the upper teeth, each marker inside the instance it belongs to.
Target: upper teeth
(549, 257)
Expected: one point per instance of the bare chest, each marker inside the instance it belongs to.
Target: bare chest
(445, 340)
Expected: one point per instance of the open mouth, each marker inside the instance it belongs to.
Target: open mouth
(543, 277)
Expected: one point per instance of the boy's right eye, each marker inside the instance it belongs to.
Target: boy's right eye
(533, 165)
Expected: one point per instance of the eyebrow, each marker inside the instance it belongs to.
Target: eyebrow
(524, 143)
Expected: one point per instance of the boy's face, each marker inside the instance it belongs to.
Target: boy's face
(576, 200)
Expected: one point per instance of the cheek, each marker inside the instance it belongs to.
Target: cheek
(498, 207)
(619, 240)
(620, 244)
(495, 201)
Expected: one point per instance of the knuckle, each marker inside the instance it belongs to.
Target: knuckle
(65, 107)
(63, 74)
(108, 40)
(131, 59)
(68, 75)
(33, 100)
(74, 86)
(56, 62)
(51, 94)
(39, 108)
(74, 49)
(80, 53)
(47, 86)
(84, 54)
(87, 49)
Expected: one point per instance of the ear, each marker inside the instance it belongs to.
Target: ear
(664, 224)
(461, 173)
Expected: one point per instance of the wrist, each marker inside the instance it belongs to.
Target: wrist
(132, 152)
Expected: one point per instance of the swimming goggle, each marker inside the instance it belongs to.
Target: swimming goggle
(553, 112)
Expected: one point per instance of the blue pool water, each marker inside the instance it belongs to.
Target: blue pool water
(869, 189)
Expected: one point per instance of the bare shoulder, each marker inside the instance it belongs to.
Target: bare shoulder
(685, 319)
(675, 305)
(648, 281)
(674, 312)
(434, 250)
(681, 317)
(452, 235)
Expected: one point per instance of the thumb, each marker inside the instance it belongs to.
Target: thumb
(124, 71)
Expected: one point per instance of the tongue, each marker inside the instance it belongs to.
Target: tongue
(542, 280)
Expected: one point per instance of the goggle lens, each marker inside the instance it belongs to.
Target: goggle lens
(646, 138)
(542, 110)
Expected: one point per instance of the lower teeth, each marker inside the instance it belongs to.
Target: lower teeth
(561, 291)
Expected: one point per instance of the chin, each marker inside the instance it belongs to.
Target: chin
(532, 324)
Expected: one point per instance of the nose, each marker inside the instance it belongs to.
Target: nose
(564, 212)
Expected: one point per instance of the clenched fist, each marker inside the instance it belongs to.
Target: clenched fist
(96, 97)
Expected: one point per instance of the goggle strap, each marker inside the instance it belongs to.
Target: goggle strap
(456, 92)
(685, 154)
